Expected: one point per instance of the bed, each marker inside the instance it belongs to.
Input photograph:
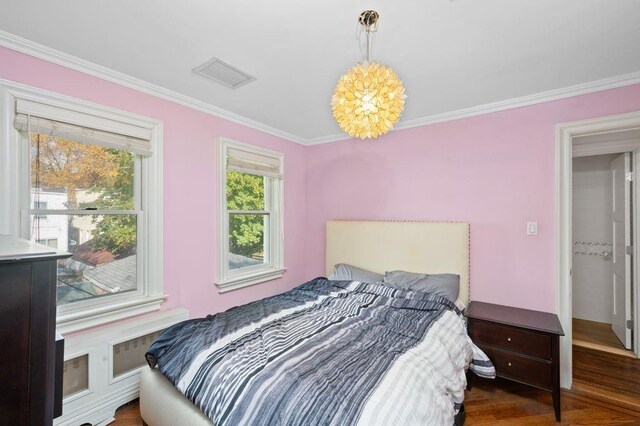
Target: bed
(328, 352)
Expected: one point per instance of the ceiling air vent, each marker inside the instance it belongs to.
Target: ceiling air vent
(223, 73)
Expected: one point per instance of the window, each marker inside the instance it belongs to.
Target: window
(91, 185)
(50, 242)
(93, 209)
(250, 218)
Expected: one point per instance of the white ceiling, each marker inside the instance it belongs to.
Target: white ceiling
(451, 54)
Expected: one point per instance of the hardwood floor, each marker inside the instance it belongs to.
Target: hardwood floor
(597, 335)
(616, 373)
(128, 415)
(509, 403)
(501, 402)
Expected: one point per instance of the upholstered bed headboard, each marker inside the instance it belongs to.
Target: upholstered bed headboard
(379, 246)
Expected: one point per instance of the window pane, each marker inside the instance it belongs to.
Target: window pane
(245, 191)
(104, 251)
(246, 240)
(73, 175)
(51, 242)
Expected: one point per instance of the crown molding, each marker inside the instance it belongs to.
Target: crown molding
(536, 98)
(23, 45)
(333, 138)
(48, 54)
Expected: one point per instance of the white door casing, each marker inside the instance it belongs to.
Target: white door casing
(565, 133)
(621, 169)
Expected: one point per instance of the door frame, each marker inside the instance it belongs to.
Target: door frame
(565, 132)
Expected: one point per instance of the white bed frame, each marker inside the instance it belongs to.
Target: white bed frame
(427, 247)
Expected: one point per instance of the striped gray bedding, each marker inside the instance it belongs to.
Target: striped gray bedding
(325, 353)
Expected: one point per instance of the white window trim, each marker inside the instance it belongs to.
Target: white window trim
(227, 280)
(81, 315)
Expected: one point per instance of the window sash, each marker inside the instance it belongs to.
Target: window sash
(137, 187)
(86, 212)
(106, 303)
(256, 212)
(141, 278)
(242, 277)
(268, 264)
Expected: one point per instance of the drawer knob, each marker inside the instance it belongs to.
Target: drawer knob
(509, 364)
(508, 339)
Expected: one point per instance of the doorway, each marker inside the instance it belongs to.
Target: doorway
(602, 254)
(617, 137)
(603, 197)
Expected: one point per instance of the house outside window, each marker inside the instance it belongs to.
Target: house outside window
(250, 217)
(91, 185)
(40, 205)
(49, 242)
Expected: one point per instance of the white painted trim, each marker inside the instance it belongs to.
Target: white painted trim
(599, 148)
(49, 54)
(149, 297)
(69, 323)
(9, 174)
(257, 278)
(564, 259)
(133, 334)
(121, 121)
(103, 408)
(233, 280)
(90, 353)
(19, 44)
(99, 405)
(565, 132)
(336, 137)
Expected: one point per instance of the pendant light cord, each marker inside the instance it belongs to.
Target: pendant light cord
(368, 46)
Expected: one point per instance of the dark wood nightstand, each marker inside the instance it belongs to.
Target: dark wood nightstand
(523, 345)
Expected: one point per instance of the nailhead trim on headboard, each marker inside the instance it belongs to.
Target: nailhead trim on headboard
(426, 221)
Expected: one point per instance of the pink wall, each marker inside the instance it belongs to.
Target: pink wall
(190, 190)
(495, 171)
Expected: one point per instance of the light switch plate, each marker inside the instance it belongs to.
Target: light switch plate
(532, 228)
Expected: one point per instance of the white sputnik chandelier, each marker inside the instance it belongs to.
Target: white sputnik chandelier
(369, 98)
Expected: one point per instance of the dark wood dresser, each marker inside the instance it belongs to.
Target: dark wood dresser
(31, 358)
(523, 345)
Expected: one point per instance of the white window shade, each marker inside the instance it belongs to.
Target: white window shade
(254, 163)
(82, 127)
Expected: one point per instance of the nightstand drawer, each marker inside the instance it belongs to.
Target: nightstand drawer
(512, 339)
(520, 368)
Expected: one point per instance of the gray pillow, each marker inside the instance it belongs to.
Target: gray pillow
(447, 285)
(343, 272)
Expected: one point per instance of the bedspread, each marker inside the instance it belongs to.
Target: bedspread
(325, 353)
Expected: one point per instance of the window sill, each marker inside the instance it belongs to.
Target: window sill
(236, 283)
(77, 321)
